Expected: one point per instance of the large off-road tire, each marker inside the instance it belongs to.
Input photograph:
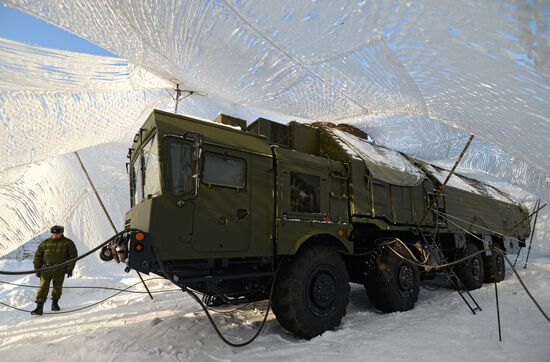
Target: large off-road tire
(495, 267)
(311, 292)
(470, 272)
(393, 285)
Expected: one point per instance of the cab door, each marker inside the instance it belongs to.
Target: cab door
(222, 207)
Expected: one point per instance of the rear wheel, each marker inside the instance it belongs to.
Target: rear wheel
(495, 267)
(470, 272)
(312, 292)
(394, 284)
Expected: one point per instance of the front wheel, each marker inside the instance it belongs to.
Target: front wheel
(495, 267)
(312, 292)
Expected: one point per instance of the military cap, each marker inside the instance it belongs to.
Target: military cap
(57, 229)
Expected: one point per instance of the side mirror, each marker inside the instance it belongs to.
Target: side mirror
(197, 156)
(197, 147)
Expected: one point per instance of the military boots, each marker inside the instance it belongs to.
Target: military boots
(55, 306)
(39, 309)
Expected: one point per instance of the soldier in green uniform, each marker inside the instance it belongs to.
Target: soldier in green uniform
(55, 250)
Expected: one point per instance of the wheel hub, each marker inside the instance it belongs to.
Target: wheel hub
(322, 291)
(405, 278)
(500, 264)
(476, 268)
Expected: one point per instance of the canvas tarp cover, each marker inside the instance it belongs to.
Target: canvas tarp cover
(382, 163)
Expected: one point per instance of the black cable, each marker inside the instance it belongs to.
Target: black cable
(225, 340)
(205, 308)
(78, 309)
(96, 303)
(213, 323)
(126, 290)
(57, 266)
(13, 307)
(522, 283)
(95, 287)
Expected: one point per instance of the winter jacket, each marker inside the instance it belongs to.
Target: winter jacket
(52, 252)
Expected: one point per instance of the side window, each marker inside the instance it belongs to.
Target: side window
(137, 181)
(305, 193)
(180, 166)
(224, 171)
(151, 168)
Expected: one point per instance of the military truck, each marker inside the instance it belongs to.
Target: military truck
(226, 209)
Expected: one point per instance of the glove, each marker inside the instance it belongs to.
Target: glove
(69, 273)
(38, 274)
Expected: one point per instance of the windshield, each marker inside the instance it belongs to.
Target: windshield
(145, 177)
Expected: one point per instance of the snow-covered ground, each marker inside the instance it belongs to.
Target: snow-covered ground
(172, 327)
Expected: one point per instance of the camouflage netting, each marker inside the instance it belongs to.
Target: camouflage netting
(53, 102)
(418, 77)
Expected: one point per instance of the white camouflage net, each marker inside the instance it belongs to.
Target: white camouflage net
(480, 66)
(419, 77)
(53, 102)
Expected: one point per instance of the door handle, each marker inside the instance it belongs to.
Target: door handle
(242, 213)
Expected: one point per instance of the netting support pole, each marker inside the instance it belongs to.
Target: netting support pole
(440, 189)
(95, 191)
(498, 313)
(532, 235)
(105, 210)
(530, 218)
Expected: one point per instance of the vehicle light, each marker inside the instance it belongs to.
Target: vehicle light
(140, 236)
(138, 247)
(340, 232)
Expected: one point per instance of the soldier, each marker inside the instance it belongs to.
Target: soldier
(55, 250)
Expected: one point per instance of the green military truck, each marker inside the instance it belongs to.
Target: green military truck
(225, 209)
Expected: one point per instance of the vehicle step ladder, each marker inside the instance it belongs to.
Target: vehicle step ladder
(452, 277)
